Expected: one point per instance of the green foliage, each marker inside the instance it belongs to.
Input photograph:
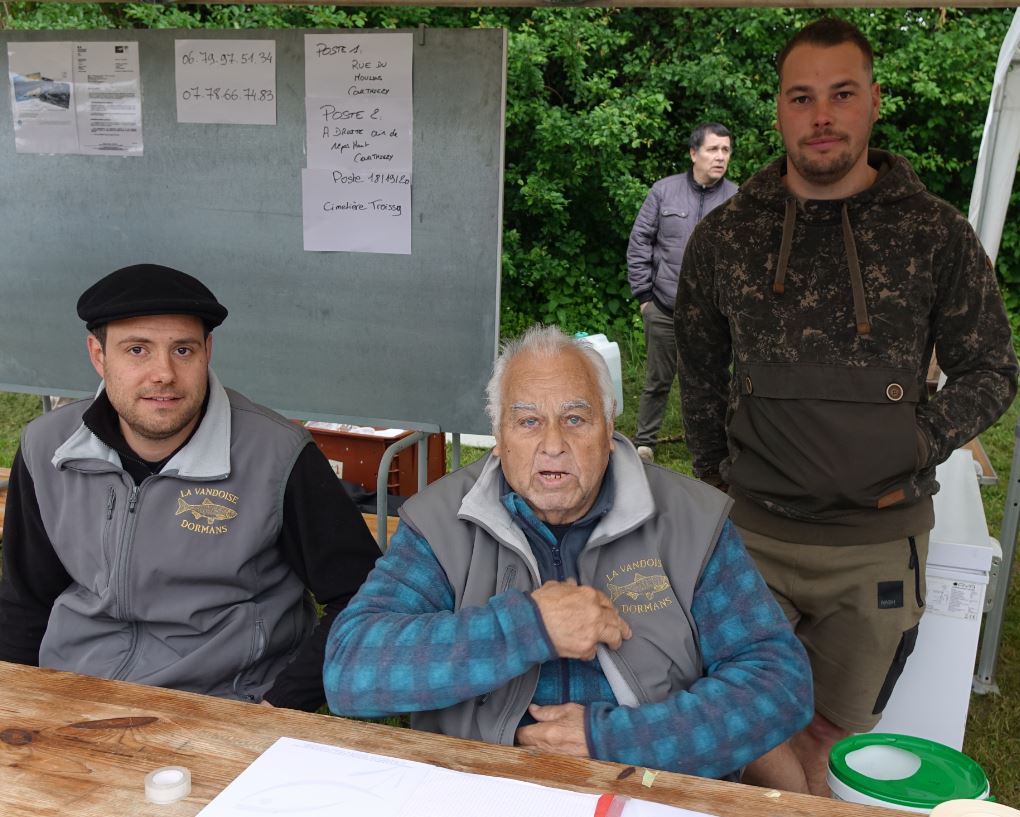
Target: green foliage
(15, 411)
(601, 101)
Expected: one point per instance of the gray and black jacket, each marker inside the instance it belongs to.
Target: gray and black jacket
(828, 312)
(177, 581)
(672, 209)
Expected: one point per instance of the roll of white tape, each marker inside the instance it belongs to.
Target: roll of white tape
(167, 784)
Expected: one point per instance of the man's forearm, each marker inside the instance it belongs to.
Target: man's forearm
(400, 647)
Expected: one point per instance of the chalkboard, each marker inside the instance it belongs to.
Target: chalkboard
(402, 340)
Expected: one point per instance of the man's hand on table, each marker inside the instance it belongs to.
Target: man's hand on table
(579, 618)
(559, 729)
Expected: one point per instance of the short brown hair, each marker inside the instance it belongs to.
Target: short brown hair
(828, 32)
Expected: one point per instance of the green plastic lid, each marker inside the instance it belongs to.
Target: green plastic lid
(924, 773)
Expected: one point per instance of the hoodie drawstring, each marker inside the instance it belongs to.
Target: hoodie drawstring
(789, 220)
(856, 278)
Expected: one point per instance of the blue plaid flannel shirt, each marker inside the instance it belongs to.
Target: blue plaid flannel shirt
(399, 647)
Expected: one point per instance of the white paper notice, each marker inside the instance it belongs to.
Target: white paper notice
(345, 133)
(229, 82)
(108, 98)
(365, 67)
(359, 123)
(42, 97)
(356, 211)
(299, 777)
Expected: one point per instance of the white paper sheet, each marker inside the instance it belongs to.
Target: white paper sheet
(303, 778)
(42, 97)
(366, 211)
(230, 82)
(359, 119)
(367, 136)
(362, 67)
(108, 98)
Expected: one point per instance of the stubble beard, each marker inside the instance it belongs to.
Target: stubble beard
(828, 170)
(156, 430)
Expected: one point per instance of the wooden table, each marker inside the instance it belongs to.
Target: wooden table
(74, 745)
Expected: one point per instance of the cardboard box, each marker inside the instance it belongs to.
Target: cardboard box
(355, 456)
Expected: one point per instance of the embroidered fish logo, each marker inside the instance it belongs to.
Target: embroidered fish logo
(207, 509)
(646, 586)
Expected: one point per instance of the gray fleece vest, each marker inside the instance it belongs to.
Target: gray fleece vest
(647, 554)
(177, 582)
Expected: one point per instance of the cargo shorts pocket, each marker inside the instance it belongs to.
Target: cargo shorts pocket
(903, 651)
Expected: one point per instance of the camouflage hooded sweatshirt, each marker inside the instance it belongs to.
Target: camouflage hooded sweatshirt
(804, 331)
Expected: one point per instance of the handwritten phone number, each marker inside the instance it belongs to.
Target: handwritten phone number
(227, 58)
(228, 94)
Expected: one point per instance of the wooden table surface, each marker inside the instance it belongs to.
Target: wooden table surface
(76, 746)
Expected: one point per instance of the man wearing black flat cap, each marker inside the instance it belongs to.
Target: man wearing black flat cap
(168, 531)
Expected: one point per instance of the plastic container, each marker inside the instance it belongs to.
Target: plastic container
(902, 772)
(610, 351)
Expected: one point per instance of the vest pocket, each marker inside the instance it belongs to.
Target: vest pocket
(256, 650)
(818, 441)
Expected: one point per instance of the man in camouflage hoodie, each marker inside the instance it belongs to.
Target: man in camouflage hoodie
(806, 315)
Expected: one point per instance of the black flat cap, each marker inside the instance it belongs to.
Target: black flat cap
(148, 289)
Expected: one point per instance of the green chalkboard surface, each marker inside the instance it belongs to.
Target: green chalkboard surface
(402, 340)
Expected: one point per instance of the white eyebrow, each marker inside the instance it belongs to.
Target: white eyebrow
(523, 407)
(573, 405)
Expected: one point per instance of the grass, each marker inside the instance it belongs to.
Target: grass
(993, 724)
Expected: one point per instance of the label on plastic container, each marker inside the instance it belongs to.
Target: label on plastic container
(954, 598)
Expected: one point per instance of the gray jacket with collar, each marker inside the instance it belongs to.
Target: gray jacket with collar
(647, 554)
(658, 239)
(175, 582)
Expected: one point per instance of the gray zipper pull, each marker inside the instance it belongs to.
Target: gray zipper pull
(111, 500)
(134, 500)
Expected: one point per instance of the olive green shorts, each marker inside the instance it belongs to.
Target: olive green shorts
(856, 609)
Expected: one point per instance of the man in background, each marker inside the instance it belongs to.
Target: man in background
(168, 531)
(654, 255)
(805, 319)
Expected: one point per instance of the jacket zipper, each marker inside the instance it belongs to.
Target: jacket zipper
(915, 565)
(122, 580)
(563, 662)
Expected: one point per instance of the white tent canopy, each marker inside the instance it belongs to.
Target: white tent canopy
(993, 183)
(1000, 146)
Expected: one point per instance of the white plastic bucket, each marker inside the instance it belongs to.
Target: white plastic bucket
(610, 351)
(902, 772)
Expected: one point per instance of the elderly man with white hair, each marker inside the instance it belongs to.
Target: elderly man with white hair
(563, 594)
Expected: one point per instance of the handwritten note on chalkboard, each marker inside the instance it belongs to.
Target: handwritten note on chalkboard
(342, 133)
(358, 66)
(356, 212)
(229, 82)
(358, 109)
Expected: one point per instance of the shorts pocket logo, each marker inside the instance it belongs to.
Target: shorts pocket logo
(890, 595)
